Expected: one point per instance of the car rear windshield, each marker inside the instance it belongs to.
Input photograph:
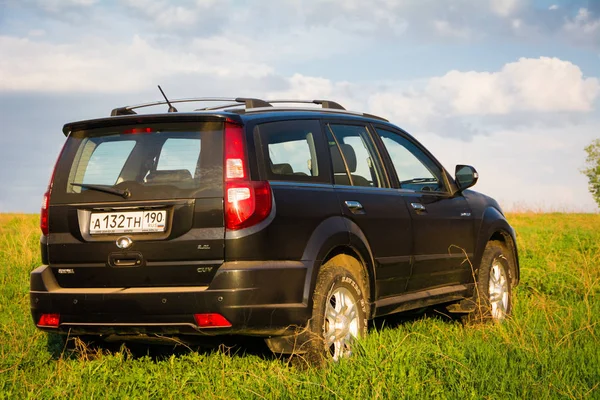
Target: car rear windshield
(147, 161)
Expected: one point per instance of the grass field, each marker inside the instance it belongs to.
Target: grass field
(550, 348)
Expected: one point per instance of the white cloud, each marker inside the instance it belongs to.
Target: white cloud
(100, 66)
(505, 8)
(445, 29)
(170, 15)
(56, 6)
(528, 86)
(540, 85)
(583, 24)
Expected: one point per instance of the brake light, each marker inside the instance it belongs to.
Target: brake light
(138, 130)
(211, 320)
(49, 320)
(246, 202)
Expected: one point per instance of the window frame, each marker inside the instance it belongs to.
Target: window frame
(377, 159)
(447, 180)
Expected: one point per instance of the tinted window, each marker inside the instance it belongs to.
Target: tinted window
(415, 170)
(179, 154)
(353, 156)
(291, 149)
(105, 161)
(164, 161)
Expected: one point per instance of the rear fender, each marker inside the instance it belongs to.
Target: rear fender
(336, 235)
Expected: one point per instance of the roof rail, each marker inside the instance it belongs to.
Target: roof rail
(323, 103)
(248, 103)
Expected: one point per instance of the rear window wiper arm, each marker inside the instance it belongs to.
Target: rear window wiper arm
(104, 188)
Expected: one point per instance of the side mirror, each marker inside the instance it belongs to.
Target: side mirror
(466, 176)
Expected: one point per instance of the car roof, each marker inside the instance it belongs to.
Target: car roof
(239, 110)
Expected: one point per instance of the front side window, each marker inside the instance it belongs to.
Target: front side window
(415, 170)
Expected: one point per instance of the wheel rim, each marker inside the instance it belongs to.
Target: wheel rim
(498, 291)
(341, 322)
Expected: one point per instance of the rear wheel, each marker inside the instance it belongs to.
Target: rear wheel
(339, 314)
(493, 291)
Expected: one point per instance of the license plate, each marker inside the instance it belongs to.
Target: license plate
(128, 222)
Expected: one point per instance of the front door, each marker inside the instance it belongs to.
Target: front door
(442, 224)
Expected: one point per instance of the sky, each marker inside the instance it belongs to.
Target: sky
(511, 87)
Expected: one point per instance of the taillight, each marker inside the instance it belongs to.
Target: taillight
(246, 202)
(49, 320)
(235, 152)
(211, 320)
(44, 217)
(44, 212)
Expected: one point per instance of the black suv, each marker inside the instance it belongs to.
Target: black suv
(294, 224)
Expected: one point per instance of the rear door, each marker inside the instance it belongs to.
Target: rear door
(138, 205)
(442, 225)
(368, 202)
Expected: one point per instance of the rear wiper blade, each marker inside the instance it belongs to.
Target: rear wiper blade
(104, 188)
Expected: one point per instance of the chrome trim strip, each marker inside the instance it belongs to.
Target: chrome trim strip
(319, 185)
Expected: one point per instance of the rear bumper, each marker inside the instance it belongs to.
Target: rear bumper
(258, 298)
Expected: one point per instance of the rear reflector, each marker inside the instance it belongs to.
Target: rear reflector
(211, 320)
(49, 320)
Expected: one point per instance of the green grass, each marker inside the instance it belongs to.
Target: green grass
(550, 348)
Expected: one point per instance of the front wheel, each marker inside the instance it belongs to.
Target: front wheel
(493, 290)
(339, 314)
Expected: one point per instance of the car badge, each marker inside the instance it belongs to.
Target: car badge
(124, 242)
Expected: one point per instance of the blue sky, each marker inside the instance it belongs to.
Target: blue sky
(509, 86)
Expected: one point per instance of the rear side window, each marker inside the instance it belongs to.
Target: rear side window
(354, 156)
(293, 150)
(151, 162)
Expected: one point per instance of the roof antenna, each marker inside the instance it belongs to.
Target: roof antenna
(171, 108)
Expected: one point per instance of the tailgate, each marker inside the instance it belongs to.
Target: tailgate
(138, 206)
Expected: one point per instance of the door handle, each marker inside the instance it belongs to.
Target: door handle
(128, 259)
(354, 206)
(418, 207)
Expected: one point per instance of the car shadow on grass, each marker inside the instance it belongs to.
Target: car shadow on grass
(158, 348)
(154, 347)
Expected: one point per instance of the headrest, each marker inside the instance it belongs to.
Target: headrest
(169, 175)
(282, 169)
(336, 159)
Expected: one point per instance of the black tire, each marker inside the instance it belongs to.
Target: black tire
(493, 290)
(337, 289)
